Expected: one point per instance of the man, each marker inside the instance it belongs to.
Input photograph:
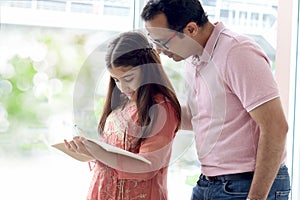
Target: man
(233, 103)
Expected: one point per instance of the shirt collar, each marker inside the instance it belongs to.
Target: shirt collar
(211, 44)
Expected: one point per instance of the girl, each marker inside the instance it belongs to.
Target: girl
(141, 115)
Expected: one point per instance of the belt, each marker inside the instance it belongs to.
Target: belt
(229, 177)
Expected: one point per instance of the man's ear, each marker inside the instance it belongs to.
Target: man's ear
(191, 29)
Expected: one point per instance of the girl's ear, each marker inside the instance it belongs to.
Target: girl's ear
(191, 29)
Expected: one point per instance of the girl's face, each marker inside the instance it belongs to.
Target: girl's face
(127, 79)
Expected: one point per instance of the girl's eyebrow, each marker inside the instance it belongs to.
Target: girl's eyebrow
(127, 75)
(122, 77)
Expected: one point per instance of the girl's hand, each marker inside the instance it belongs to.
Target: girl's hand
(77, 145)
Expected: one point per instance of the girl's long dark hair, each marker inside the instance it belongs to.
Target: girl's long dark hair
(132, 49)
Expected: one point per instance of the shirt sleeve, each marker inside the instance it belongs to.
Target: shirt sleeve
(249, 75)
(156, 148)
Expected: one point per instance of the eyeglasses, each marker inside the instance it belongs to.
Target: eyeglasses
(160, 44)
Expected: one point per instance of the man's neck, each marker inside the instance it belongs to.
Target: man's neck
(205, 33)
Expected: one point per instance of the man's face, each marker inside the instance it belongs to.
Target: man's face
(167, 41)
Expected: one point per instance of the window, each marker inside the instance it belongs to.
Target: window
(82, 7)
(294, 103)
(51, 5)
(20, 4)
(46, 44)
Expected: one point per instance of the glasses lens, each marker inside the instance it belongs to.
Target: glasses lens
(156, 42)
(159, 44)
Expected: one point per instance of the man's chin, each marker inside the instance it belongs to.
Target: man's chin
(177, 58)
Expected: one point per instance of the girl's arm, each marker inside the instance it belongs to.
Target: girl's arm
(156, 148)
(186, 117)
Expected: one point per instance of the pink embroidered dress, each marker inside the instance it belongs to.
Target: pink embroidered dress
(121, 130)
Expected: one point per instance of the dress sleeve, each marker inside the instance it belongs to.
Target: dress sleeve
(156, 148)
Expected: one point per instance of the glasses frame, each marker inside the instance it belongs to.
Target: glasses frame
(161, 44)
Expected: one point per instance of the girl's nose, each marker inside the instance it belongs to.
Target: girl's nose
(122, 86)
(159, 50)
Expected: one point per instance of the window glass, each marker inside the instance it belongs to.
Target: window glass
(294, 126)
(44, 45)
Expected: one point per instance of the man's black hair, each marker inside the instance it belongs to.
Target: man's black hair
(178, 12)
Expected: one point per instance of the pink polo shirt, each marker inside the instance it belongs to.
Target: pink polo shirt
(231, 78)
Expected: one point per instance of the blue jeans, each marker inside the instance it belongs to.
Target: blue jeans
(238, 189)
